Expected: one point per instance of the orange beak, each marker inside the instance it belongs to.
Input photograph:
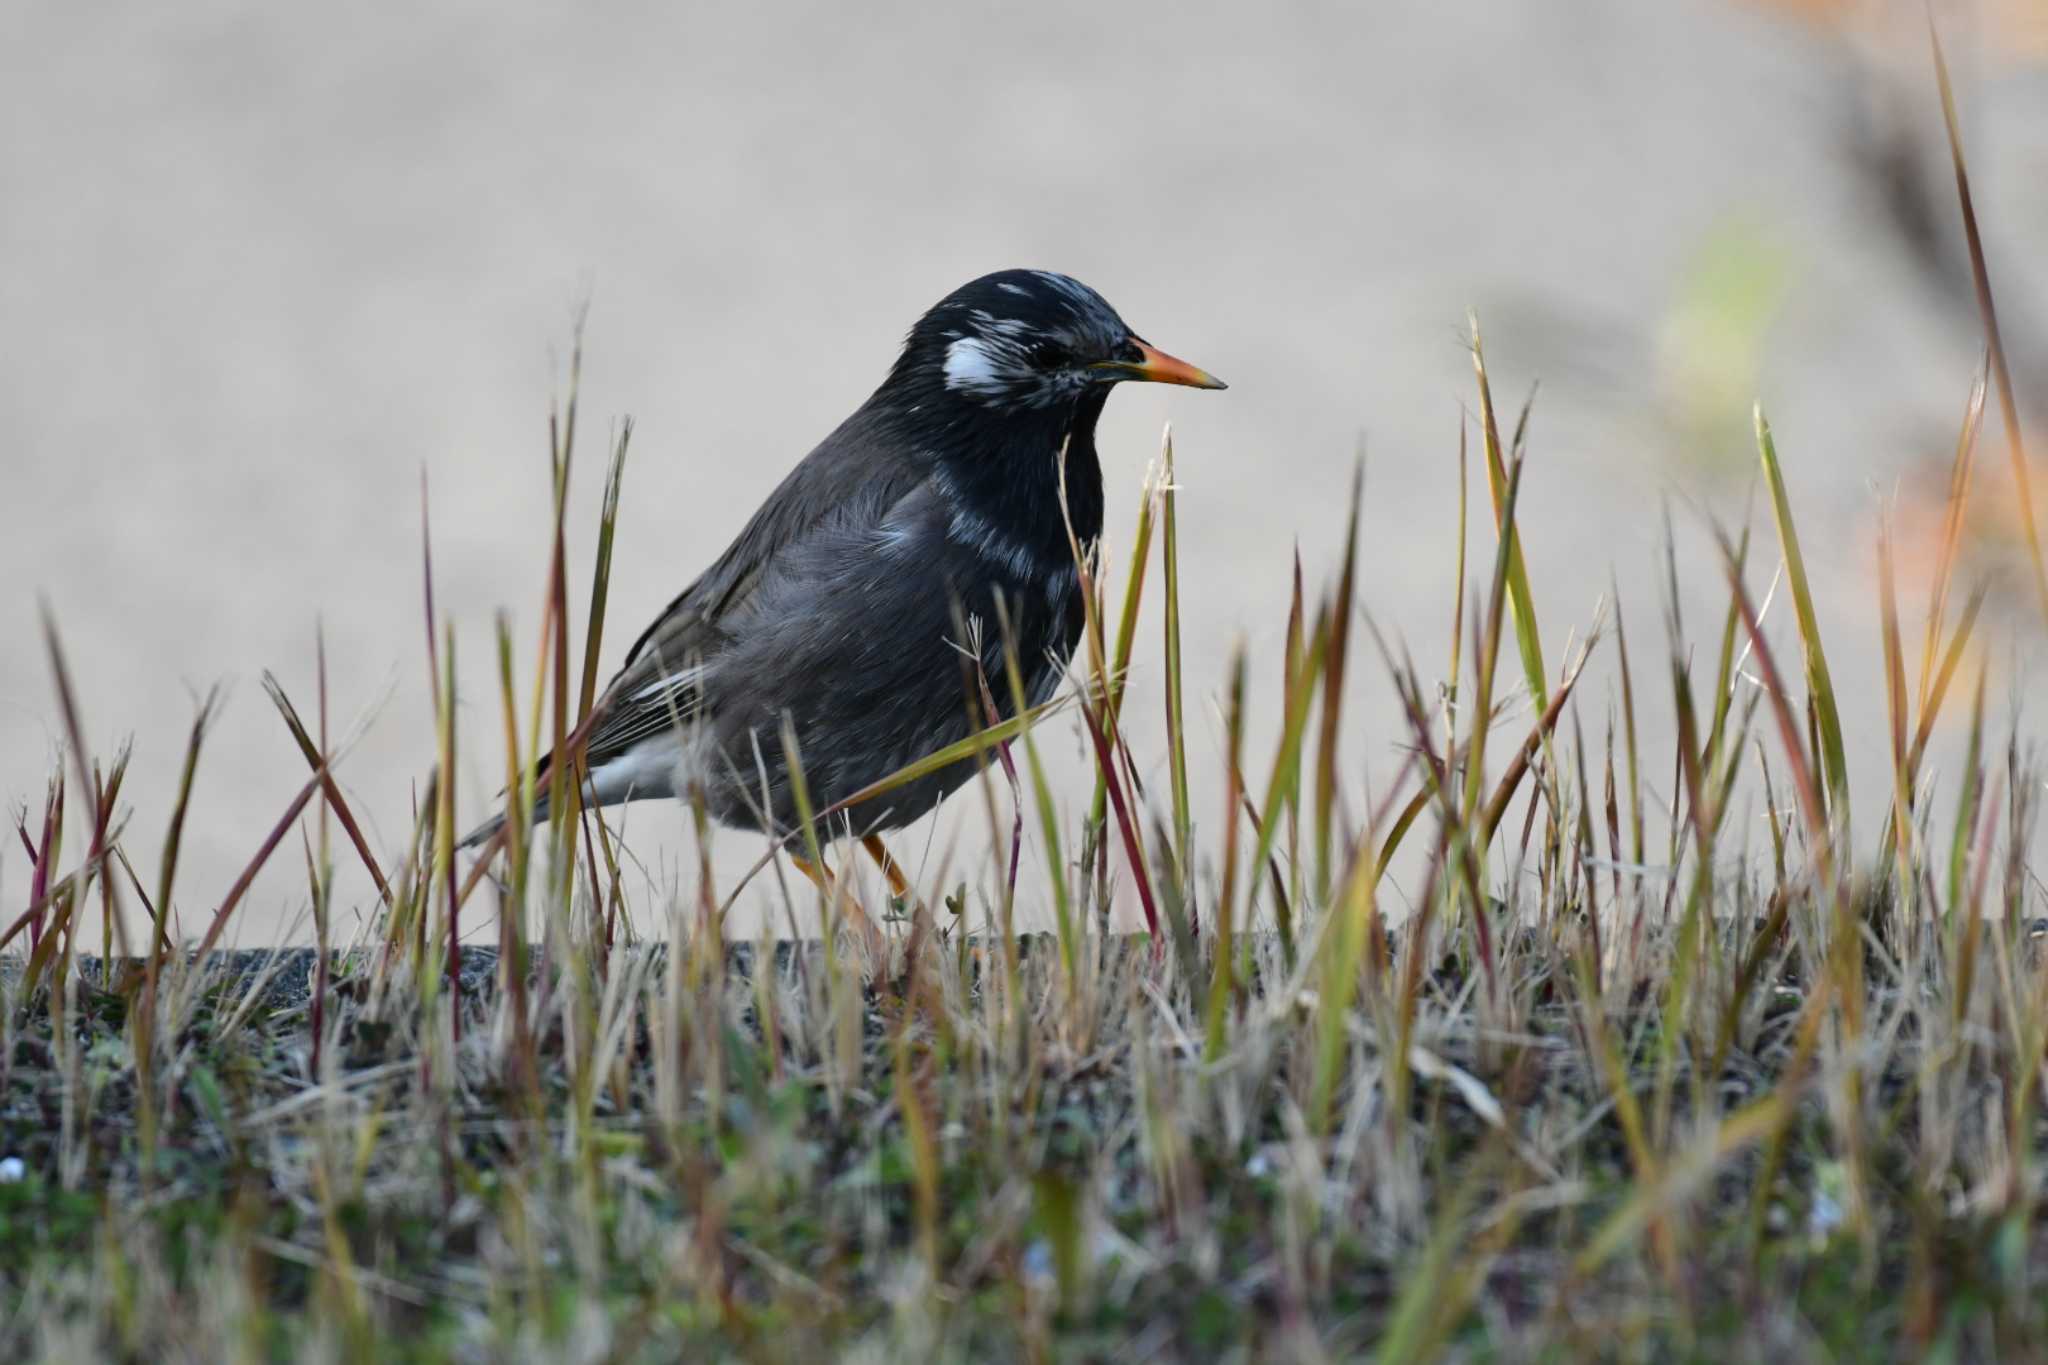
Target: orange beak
(1157, 367)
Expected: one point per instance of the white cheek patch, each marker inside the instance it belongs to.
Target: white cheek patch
(972, 367)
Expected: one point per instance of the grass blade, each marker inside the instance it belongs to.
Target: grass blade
(1527, 638)
(1820, 686)
(1980, 274)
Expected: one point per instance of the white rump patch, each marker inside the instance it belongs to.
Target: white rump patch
(647, 770)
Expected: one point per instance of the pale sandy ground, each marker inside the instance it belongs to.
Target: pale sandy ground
(264, 264)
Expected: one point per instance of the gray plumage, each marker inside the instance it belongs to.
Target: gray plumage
(840, 604)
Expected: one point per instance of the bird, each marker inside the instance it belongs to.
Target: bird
(838, 609)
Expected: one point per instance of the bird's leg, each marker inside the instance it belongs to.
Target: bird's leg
(818, 873)
(820, 876)
(899, 885)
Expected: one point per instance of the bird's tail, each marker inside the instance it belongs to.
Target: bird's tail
(488, 830)
(482, 832)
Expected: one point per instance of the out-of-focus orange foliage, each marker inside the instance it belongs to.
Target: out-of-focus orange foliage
(2009, 32)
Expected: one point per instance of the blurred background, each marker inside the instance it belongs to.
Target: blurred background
(266, 264)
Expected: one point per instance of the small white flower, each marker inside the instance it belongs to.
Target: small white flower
(1824, 1217)
(12, 1169)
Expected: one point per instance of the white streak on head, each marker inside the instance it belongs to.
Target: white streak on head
(1073, 289)
(989, 325)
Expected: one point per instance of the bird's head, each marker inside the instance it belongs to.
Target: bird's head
(1031, 340)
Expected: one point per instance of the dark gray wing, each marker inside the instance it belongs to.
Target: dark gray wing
(853, 477)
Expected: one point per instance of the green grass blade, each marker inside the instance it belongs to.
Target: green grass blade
(1222, 980)
(1176, 727)
(1333, 689)
(1527, 638)
(601, 573)
(1048, 811)
(1126, 637)
(1820, 686)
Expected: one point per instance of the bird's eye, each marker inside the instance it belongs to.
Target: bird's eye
(1051, 355)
